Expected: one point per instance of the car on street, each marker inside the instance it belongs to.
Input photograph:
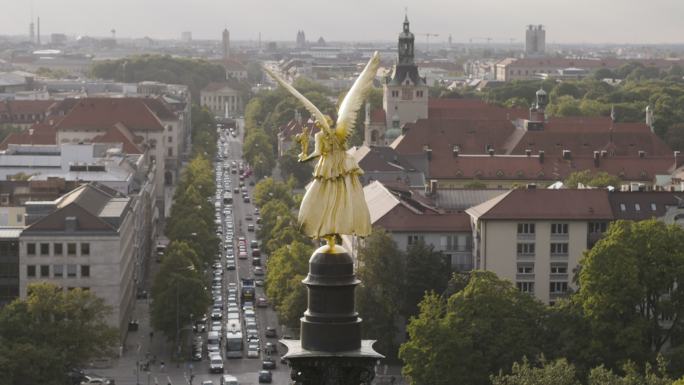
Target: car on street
(259, 282)
(252, 351)
(216, 315)
(208, 382)
(91, 379)
(265, 377)
(258, 270)
(268, 363)
(271, 332)
(227, 379)
(262, 302)
(215, 363)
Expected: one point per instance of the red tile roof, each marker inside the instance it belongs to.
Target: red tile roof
(539, 204)
(116, 134)
(102, 113)
(26, 106)
(41, 133)
(378, 116)
(517, 167)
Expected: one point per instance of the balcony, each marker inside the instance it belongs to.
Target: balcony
(524, 277)
(526, 236)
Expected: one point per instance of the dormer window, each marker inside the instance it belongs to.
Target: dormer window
(653, 207)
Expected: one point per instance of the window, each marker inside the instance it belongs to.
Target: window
(170, 151)
(44, 249)
(45, 271)
(71, 249)
(525, 287)
(57, 248)
(598, 227)
(395, 94)
(559, 228)
(169, 128)
(30, 249)
(85, 271)
(525, 268)
(170, 139)
(623, 207)
(559, 248)
(525, 249)
(58, 271)
(559, 268)
(637, 207)
(85, 249)
(558, 287)
(653, 207)
(31, 271)
(71, 271)
(414, 239)
(419, 94)
(525, 228)
(153, 144)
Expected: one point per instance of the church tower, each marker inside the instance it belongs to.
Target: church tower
(405, 93)
(226, 45)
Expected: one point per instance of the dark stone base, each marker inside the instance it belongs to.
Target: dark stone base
(332, 370)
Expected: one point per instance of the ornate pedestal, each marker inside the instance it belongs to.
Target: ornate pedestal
(330, 351)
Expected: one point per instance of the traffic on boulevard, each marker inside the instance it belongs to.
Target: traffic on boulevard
(236, 341)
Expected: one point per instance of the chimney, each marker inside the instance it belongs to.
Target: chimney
(428, 152)
(541, 156)
(604, 153)
(491, 152)
(433, 186)
(642, 154)
(676, 157)
(597, 158)
(531, 186)
(567, 154)
(455, 150)
(528, 152)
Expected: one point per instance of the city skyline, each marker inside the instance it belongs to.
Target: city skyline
(579, 21)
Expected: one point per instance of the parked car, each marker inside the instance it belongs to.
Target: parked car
(215, 363)
(271, 332)
(268, 363)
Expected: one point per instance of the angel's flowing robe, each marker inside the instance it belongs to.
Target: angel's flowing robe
(334, 202)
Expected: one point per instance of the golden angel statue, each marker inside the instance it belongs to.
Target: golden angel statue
(334, 202)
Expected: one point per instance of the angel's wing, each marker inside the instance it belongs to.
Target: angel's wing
(346, 117)
(315, 112)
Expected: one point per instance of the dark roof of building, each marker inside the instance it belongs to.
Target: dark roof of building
(102, 113)
(402, 72)
(641, 205)
(540, 204)
(402, 219)
(160, 108)
(96, 208)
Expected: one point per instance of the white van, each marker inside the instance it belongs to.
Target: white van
(227, 379)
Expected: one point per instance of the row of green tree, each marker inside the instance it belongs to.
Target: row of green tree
(179, 291)
(639, 87)
(194, 73)
(623, 324)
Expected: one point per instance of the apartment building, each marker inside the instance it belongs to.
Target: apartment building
(536, 238)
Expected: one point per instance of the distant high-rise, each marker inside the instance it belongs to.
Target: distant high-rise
(226, 44)
(535, 40)
(38, 34)
(32, 32)
(186, 36)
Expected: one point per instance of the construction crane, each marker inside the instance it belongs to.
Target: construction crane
(427, 38)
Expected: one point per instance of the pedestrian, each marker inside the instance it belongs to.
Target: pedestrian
(161, 367)
(151, 334)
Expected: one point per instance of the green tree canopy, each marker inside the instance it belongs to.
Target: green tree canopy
(628, 285)
(50, 331)
(268, 189)
(483, 328)
(588, 178)
(287, 266)
(427, 270)
(379, 297)
(178, 291)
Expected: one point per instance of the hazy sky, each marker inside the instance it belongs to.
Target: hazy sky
(566, 21)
